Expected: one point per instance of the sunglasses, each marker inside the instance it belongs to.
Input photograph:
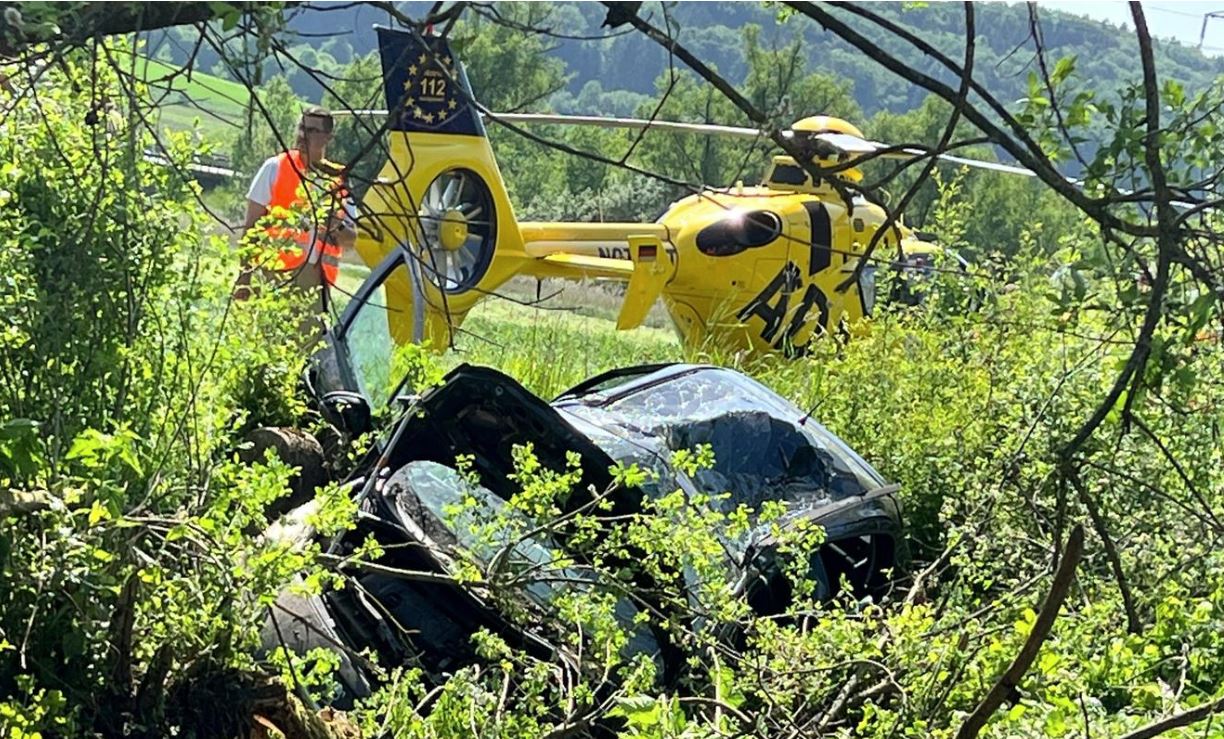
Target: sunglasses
(316, 124)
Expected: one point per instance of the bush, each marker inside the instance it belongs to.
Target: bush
(128, 570)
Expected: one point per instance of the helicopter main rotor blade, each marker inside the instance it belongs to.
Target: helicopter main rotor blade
(603, 122)
(978, 163)
(854, 145)
(845, 142)
(637, 123)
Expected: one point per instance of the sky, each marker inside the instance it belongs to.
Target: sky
(1180, 20)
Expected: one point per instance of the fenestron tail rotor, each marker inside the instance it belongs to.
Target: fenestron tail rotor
(459, 222)
(439, 195)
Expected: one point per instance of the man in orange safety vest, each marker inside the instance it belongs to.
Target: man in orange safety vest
(309, 253)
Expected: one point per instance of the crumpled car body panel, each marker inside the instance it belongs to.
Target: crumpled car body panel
(764, 449)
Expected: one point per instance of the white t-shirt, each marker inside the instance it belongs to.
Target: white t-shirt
(260, 192)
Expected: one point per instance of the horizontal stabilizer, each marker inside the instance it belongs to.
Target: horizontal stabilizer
(647, 271)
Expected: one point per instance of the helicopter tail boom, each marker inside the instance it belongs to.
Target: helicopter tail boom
(638, 253)
(603, 240)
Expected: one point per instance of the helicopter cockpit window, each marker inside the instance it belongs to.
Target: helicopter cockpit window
(789, 174)
(867, 289)
(737, 232)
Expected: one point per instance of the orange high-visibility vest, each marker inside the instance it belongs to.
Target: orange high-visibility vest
(289, 170)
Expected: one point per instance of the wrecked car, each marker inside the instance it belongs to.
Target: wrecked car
(408, 487)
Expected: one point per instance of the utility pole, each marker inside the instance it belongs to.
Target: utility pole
(1207, 17)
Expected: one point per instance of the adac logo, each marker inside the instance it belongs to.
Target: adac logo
(430, 97)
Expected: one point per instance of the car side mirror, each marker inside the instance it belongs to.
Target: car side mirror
(347, 411)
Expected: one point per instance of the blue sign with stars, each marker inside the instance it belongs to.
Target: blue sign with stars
(427, 90)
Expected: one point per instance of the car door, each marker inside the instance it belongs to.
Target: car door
(355, 365)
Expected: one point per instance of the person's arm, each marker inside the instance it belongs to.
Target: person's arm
(342, 227)
(255, 211)
(258, 196)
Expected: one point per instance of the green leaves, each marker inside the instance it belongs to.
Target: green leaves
(1203, 309)
(21, 449)
(690, 461)
(101, 452)
(1063, 69)
(228, 13)
(651, 717)
(1173, 93)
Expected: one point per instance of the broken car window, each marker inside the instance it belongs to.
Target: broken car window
(764, 448)
(481, 525)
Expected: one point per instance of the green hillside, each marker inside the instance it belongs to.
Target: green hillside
(1004, 50)
(714, 32)
(599, 82)
(188, 97)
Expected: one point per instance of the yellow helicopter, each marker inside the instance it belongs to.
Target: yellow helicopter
(764, 268)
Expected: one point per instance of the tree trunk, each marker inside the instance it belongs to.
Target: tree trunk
(295, 448)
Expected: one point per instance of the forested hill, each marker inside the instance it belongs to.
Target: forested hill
(1105, 53)
(714, 31)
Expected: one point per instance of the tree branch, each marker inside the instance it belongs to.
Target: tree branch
(1009, 681)
(1166, 244)
(82, 21)
(1185, 718)
(762, 121)
(958, 108)
(1019, 145)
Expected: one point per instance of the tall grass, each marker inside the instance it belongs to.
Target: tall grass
(551, 350)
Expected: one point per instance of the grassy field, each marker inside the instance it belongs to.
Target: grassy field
(217, 104)
(552, 345)
(588, 298)
(549, 350)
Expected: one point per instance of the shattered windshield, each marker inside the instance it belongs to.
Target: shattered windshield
(764, 447)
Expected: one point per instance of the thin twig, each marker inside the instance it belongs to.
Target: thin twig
(1133, 624)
